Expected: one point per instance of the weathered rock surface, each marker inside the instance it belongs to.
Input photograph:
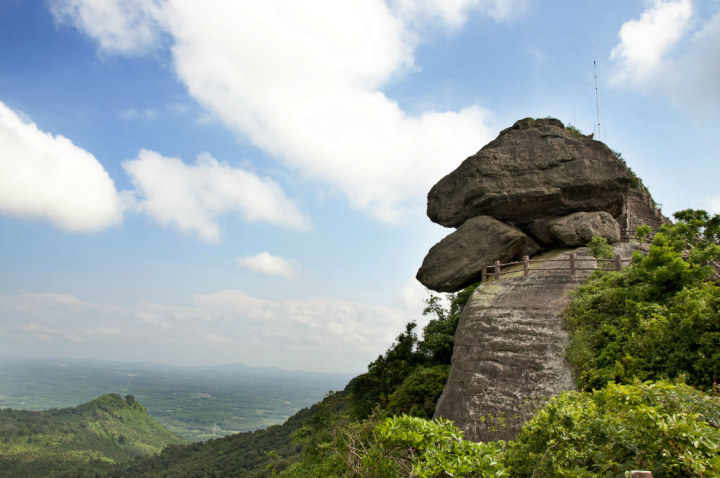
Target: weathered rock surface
(509, 353)
(457, 261)
(538, 169)
(577, 229)
(555, 186)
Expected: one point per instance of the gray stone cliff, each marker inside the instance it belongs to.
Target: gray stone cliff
(509, 353)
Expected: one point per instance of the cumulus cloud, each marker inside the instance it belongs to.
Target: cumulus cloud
(222, 327)
(327, 327)
(119, 26)
(47, 177)
(645, 43)
(302, 80)
(674, 50)
(267, 264)
(696, 89)
(712, 204)
(194, 197)
(454, 13)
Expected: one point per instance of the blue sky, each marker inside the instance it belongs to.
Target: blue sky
(234, 181)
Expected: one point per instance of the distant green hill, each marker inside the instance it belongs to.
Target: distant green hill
(78, 441)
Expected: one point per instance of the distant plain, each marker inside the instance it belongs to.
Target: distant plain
(197, 403)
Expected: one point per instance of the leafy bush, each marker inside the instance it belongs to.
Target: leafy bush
(671, 429)
(413, 447)
(572, 128)
(657, 318)
(600, 248)
(642, 232)
(419, 392)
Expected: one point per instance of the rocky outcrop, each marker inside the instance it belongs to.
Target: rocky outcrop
(577, 229)
(535, 177)
(509, 352)
(457, 261)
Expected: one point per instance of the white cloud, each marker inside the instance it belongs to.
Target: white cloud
(327, 327)
(302, 81)
(138, 113)
(47, 177)
(267, 264)
(454, 13)
(227, 326)
(696, 90)
(712, 204)
(673, 50)
(119, 26)
(194, 197)
(645, 43)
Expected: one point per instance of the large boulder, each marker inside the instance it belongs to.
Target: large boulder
(535, 172)
(577, 229)
(457, 260)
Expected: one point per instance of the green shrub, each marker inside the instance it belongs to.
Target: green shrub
(600, 248)
(572, 128)
(657, 318)
(642, 232)
(669, 429)
(418, 394)
(409, 446)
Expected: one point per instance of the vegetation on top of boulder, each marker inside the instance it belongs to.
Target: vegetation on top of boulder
(571, 127)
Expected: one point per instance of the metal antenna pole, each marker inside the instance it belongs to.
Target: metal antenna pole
(597, 99)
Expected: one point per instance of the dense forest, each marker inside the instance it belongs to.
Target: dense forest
(646, 350)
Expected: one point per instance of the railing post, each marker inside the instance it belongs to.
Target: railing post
(497, 270)
(572, 263)
(618, 263)
(483, 274)
(526, 265)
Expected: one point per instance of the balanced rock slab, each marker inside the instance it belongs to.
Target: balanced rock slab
(537, 169)
(457, 261)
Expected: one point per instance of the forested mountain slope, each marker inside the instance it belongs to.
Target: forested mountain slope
(72, 441)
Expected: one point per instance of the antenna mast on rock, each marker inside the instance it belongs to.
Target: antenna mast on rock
(597, 100)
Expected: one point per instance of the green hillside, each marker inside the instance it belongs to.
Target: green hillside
(70, 441)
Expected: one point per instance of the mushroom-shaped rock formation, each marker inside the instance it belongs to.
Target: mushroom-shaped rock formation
(535, 176)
